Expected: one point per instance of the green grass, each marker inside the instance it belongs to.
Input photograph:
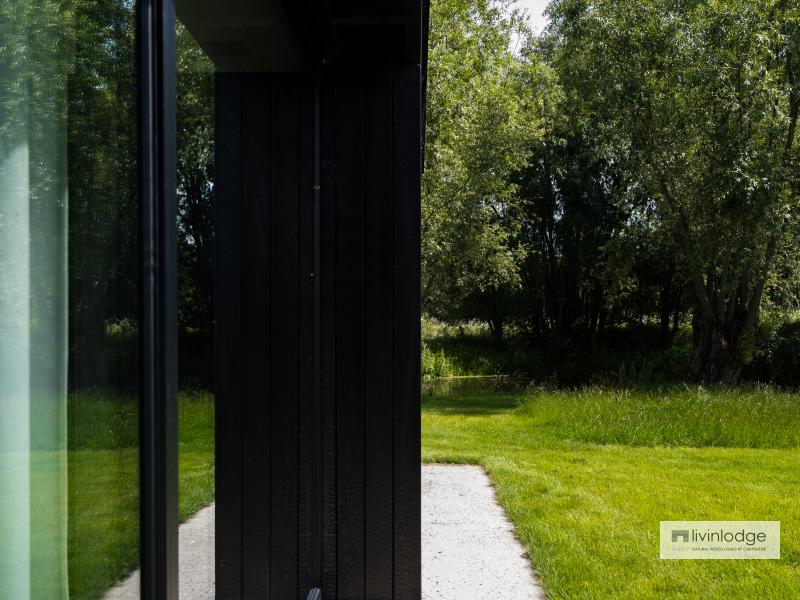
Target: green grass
(104, 482)
(586, 477)
(695, 417)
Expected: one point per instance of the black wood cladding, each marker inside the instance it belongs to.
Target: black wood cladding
(318, 425)
(228, 334)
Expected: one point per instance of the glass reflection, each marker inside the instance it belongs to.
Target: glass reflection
(103, 414)
(195, 149)
(68, 289)
(33, 341)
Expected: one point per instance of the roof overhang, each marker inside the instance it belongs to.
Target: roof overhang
(243, 35)
(298, 35)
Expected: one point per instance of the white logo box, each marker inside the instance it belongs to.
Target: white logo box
(720, 540)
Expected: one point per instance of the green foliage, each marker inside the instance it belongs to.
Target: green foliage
(467, 349)
(124, 328)
(699, 105)
(435, 363)
(101, 142)
(786, 356)
(625, 356)
(635, 164)
(195, 178)
(482, 118)
(777, 358)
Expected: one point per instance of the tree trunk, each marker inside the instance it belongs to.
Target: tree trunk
(717, 357)
(676, 322)
(666, 317)
(602, 320)
(723, 328)
(496, 325)
(493, 301)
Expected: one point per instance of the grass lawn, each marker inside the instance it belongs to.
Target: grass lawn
(104, 480)
(587, 476)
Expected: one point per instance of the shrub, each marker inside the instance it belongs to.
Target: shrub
(786, 355)
(777, 355)
(435, 363)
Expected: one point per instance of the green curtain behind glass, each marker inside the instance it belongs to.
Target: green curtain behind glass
(33, 299)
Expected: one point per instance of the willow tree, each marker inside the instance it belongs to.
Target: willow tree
(481, 117)
(704, 97)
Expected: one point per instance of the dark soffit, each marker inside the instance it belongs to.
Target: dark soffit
(297, 35)
(243, 35)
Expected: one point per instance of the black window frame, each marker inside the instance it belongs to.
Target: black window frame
(156, 181)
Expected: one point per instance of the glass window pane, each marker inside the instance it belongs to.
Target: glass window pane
(68, 298)
(195, 125)
(33, 344)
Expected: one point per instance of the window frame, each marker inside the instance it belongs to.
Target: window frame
(158, 416)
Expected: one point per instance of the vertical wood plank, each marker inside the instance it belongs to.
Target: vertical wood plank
(407, 172)
(284, 318)
(256, 399)
(350, 339)
(228, 377)
(379, 333)
(308, 444)
(327, 333)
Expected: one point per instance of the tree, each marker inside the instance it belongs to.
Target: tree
(195, 177)
(481, 118)
(102, 185)
(702, 98)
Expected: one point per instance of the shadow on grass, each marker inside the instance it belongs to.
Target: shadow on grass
(470, 405)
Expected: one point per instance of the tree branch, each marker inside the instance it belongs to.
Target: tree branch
(691, 256)
(754, 305)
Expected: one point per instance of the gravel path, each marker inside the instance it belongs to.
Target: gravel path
(196, 562)
(469, 551)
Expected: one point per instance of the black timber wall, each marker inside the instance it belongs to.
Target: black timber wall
(317, 320)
